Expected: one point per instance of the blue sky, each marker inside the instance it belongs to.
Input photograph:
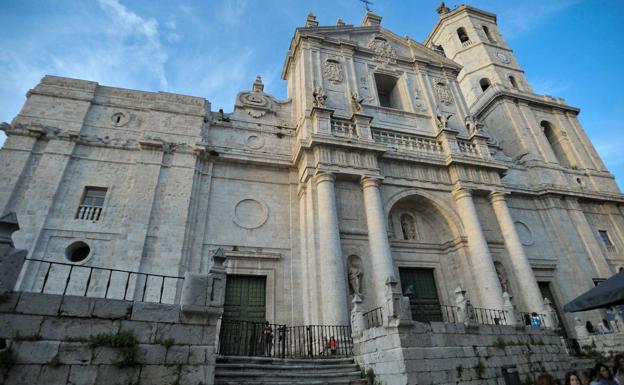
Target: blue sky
(571, 49)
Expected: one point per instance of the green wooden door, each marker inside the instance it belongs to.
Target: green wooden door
(245, 298)
(419, 285)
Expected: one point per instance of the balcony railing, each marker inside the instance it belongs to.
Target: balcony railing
(407, 141)
(467, 43)
(86, 281)
(467, 147)
(344, 128)
(89, 213)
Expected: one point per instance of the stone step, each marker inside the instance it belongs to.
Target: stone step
(283, 375)
(305, 382)
(350, 367)
(285, 361)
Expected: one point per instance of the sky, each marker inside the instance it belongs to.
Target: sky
(214, 49)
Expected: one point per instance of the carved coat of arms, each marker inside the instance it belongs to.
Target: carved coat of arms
(332, 71)
(442, 91)
(383, 50)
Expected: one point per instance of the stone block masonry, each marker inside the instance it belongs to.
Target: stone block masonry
(443, 353)
(54, 339)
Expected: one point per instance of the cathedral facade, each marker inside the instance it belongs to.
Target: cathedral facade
(432, 165)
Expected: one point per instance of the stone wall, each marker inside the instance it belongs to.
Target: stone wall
(446, 353)
(51, 339)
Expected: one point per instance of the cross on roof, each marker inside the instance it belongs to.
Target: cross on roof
(366, 4)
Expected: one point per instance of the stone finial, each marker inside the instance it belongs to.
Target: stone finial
(442, 9)
(258, 86)
(340, 22)
(509, 309)
(371, 20)
(218, 258)
(311, 21)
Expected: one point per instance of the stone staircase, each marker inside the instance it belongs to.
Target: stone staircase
(232, 370)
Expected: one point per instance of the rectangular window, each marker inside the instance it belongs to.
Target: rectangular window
(91, 204)
(388, 91)
(606, 240)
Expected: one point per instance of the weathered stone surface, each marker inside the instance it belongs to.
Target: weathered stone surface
(159, 374)
(144, 311)
(16, 324)
(74, 328)
(54, 375)
(35, 352)
(112, 309)
(110, 374)
(36, 303)
(192, 375)
(151, 354)
(181, 334)
(74, 353)
(8, 301)
(23, 375)
(75, 306)
(177, 354)
(82, 375)
(145, 332)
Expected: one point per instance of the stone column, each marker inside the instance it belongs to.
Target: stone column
(489, 289)
(519, 262)
(335, 310)
(380, 254)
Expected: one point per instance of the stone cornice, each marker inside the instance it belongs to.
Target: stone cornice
(497, 92)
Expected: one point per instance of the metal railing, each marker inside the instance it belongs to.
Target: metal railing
(531, 319)
(89, 213)
(89, 281)
(490, 316)
(374, 318)
(246, 338)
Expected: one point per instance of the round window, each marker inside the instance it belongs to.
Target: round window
(77, 251)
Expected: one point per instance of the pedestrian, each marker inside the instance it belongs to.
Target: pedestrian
(267, 339)
(572, 378)
(619, 375)
(332, 345)
(603, 375)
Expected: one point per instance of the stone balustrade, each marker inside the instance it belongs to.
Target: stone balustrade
(408, 141)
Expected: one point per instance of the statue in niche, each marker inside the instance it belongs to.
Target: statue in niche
(502, 277)
(356, 102)
(408, 227)
(355, 275)
(443, 118)
(319, 97)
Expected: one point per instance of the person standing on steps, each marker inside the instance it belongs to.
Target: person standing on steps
(267, 339)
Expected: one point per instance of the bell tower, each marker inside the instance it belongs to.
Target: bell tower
(471, 37)
(537, 131)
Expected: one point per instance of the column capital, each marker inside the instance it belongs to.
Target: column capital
(370, 181)
(324, 177)
(497, 196)
(461, 192)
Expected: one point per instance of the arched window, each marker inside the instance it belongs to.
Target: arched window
(554, 141)
(463, 36)
(513, 82)
(488, 34)
(408, 227)
(485, 84)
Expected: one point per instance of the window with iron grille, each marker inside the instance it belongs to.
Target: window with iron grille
(606, 239)
(91, 204)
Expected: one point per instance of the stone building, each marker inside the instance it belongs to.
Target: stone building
(432, 165)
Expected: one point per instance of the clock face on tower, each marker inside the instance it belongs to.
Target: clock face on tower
(503, 57)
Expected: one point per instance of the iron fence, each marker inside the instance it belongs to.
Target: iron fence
(531, 319)
(246, 338)
(374, 318)
(89, 281)
(490, 316)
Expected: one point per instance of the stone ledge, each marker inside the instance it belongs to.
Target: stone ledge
(39, 304)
